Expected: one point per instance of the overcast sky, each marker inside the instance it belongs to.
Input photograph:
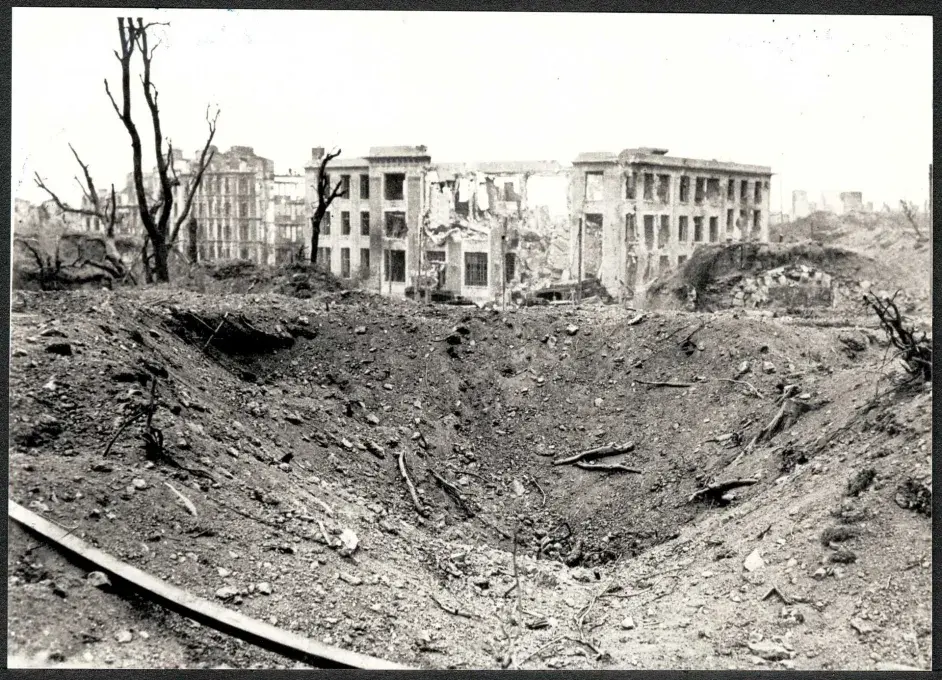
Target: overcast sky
(830, 103)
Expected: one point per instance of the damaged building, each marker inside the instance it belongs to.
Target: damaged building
(477, 231)
(641, 213)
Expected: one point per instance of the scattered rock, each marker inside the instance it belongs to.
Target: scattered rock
(349, 543)
(861, 626)
(264, 588)
(769, 651)
(350, 578)
(628, 623)
(753, 561)
(223, 572)
(572, 329)
(98, 579)
(360, 330)
(139, 483)
(768, 367)
(372, 419)
(124, 637)
(226, 593)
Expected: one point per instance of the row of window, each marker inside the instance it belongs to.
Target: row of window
(394, 265)
(215, 184)
(393, 186)
(747, 222)
(658, 187)
(224, 231)
(394, 224)
(201, 209)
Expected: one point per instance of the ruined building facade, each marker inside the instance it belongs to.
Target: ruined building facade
(640, 213)
(405, 225)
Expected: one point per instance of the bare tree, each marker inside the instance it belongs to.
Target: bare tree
(910, 210)
(155, 213)
(105, 213)
(325, 196)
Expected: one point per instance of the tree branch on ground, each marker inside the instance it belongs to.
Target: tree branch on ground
(915, 347)
(910, 210)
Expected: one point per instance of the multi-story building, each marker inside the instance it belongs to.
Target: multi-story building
(477, 230)
(287, 214)
(231, 206)
(372, 228)
(641, 212)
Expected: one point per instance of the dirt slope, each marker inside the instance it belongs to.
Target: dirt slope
(298, 409)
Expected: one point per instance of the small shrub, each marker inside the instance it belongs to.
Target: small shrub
(837, 535)
(861, 481)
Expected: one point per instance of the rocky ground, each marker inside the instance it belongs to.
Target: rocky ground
(283, 421)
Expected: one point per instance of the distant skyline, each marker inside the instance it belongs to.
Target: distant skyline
(831, 103)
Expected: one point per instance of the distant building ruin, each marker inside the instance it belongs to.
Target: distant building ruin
(640, 213)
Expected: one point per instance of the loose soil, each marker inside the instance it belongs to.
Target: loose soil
(298, 410)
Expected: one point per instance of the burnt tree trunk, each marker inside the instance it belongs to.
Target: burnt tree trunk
(193, 233)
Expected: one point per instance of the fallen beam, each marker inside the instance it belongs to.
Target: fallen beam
(199, 609)
(602, 467)
(717, 490)
(600, 452)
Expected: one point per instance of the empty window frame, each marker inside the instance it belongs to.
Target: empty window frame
(593, 186)
(756, 220)
(395, 224)
(364, 186)
(731, 190)
(325, 224)
(729, 220)
(744, 190)
(664, 231)
(344, 222)
(364, 261)
(683, 229)
(243, 232)
(345, 263)
(631, 184)
(714, 229)
(698, 229)
(436, 258)
(244, 253)
(663, 188)
(713, 189)
(649, 232)
(364, 223)
(681, 259)
(344, 186)
(699, 190)
(743, 222)
(684, 189)
(394, 186)
(475, 269)
(758, 193)
(395, 269)
(510, 266)
(649, 186)
(323, 257)
(631, 228)
(664, 264)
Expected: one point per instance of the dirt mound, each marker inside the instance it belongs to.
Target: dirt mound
(793, 278)
(287, 424)
(223, 277)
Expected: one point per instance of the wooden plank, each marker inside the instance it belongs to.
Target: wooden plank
(209, 613)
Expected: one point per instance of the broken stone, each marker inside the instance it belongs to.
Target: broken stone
(572, 329)
(226, 593)
(123, 637)
(769, 651)
(754, 561)
(518, 488)
(628, 623)
(768, 367)
(264, 588)
(98, 579)
(360, 330)
(350, 578)
(139, 483)
(222, 571)
(372, 419)
(862, 626)
(349, 542)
